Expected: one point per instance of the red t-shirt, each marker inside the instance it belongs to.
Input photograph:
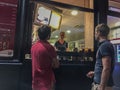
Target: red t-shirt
(42, 74)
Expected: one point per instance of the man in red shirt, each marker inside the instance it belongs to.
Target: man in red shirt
(44, 59)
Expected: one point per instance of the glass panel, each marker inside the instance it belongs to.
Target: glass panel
(78, 31)
(114, 24)
(72, 25)
(8, 11)
(114, 5)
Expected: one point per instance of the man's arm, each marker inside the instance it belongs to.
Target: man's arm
(106, 61)
(55, 46)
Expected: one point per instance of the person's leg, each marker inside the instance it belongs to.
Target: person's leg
(53, 86)
(108, 88)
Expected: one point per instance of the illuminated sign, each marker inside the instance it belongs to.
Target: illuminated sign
(55, 20)
(43, 16)
(46, 16)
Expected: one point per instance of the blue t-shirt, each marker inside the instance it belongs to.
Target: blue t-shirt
(105, 49)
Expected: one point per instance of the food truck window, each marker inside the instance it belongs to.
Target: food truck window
(79, 33)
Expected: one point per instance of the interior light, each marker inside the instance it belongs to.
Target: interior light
(74, 12)
(56, 36)
(68, 31)
(117, 24)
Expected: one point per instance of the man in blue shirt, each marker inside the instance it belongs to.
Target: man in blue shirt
(104, 60)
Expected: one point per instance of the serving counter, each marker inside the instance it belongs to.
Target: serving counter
(71, 75)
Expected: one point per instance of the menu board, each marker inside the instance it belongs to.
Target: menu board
(55, 20)
(47, 16)
(8, 15)
(43, 15)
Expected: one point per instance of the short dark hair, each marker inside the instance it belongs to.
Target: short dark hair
(43, 32)
(103, 29)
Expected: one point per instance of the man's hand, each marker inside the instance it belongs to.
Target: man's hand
(55, 63)
(90, 74)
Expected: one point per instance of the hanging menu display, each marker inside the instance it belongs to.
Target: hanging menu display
(8, 12)
(47, 16)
